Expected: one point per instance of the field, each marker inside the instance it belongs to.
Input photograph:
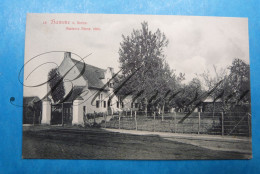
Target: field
(196, 123)
(169, 124)
(91, 143)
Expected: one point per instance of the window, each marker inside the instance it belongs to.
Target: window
(108, 103)
(117, 104)
(122, 104)
(111, 85)
(97, 104)
(132, 105)
(136, 105)
(84, 109)
(105, 104)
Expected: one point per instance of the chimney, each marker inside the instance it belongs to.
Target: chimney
(110, 69)
(67, 55)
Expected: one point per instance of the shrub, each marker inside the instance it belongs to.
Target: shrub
(94, 115)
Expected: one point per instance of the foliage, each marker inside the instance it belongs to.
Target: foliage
(234, 88)
(147, 75)
(95, 115)
(32, 110)
(141, 55)
(55, 81)
(239, 81)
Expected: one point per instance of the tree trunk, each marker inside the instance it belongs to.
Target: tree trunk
(163, 112)
(213, 112)
(33, 117)
(146, 107)
(146, 110)
(154, 121)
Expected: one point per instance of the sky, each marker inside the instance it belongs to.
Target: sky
(195, 43)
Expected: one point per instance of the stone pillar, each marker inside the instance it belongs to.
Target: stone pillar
(77, 118)
(46, 111)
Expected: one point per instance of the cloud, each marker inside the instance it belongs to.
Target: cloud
(191, 67)
(195, 43)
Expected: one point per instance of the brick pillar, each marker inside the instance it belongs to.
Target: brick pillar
(46, 111)
(77, 118)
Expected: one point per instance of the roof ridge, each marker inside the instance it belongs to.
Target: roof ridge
(87, 64)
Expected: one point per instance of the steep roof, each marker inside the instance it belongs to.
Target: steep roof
(91, 74)
(76, 92)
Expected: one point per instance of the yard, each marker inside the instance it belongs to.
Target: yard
(196, 123)
(91, 143)
(168, 125)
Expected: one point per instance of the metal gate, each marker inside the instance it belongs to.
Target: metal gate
(61, 113)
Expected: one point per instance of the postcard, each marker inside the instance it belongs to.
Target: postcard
(136, 87)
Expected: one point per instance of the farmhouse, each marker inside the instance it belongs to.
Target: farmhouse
(95, 83)
(88, 90)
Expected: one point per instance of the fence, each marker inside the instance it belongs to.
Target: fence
(229, 123)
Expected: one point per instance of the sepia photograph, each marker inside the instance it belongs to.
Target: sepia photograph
(136, 87)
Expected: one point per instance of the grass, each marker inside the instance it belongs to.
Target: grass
(88, 143)
(190, 125)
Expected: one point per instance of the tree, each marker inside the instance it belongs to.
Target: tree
(235, 84)
(189, 95)
(55, 81)
(33, 107)
(218, 82)
(239, 79)
(211, 80)
(141, 54)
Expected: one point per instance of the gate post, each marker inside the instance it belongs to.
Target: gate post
(199, 124)
(175, 123)
(62, 109)
(135, 121)
(222, 123)
(119, 117)
(77, 115)
(105, 117)
(154, 121)
(249, 124)
(46, 111)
